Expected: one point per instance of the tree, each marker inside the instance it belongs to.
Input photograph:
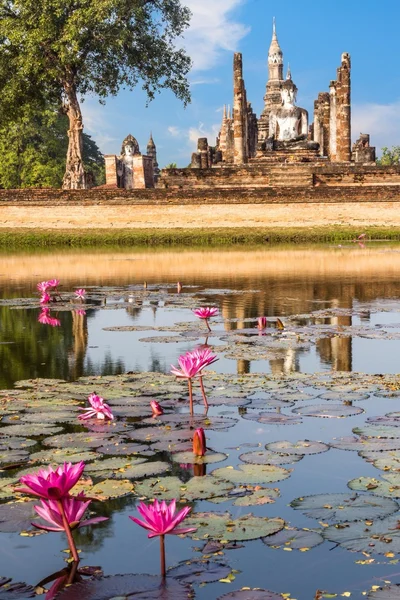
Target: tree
(171, 166)
(60, 50)
(33, 151)
(390, 156)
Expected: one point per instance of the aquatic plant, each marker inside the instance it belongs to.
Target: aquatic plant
(98, 408)
(52, 484)
(161, 519)
(205, 312)
(191, 364)
(156, 408)
(262, 322)
(74, 509)
(80, 294)
(46, 319)
(199, 442)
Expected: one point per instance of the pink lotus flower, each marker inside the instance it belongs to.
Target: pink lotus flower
(205, 312)
(53, 283)
(191, 365)
(98, 409)
(80, 312)
(160, 519)
(179, 287)
(50, 484)
(80, 294)
(156, 408)
(74, 509)
(46, 319)
(45, 298)
(43, 286)
(199, 442)
(262, 322)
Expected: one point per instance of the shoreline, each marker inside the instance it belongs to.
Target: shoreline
(165, 237)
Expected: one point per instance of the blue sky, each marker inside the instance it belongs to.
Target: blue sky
(312, 35)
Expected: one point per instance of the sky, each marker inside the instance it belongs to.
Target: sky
(312, 34)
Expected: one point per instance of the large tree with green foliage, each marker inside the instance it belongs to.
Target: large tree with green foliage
(62, 50)
(390, 156)
(33, 150)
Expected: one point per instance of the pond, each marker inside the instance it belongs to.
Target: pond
(302, 430)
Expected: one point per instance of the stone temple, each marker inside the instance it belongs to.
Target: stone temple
(281, 147)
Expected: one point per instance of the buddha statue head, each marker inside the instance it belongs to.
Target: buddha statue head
(288, 93)
(130, 146)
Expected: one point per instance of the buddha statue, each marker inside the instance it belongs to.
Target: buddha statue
(288, 124)
(130, 147)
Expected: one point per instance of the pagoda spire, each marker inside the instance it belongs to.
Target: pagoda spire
(289, 72)
(275, 57)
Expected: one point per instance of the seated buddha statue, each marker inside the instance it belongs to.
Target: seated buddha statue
(288, 124)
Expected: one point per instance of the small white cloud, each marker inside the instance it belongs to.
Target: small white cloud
(174, 131)
(194, 133)
(212, 30)
(381, 121)
(204, 81)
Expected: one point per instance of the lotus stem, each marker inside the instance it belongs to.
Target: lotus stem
(203, 392)
(162, 555)
(190, 396)
(68, 532)
(208, 327)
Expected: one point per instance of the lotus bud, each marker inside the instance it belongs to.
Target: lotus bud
(156, 408)
(179, 287)
(262, 322)
(199, 442)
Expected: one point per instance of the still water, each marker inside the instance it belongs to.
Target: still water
(341, 302)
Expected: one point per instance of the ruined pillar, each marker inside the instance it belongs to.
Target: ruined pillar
(202, 149)
(322, 111)
(343, 110)
(332, 122)
(239, 111)
(111, 170)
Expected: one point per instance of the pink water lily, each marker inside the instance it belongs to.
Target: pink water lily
(191, 365)
(161, 519)
(199, 442)
(80, 293)
(45, 298)
(98, 409)
(156, 409)
(74, 509)
(52, 484)
(53, 283)
(46, 319)
(262, 322)
(205, 312)
(43, 286)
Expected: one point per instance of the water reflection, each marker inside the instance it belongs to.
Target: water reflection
(276, 283)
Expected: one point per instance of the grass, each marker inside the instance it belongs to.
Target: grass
(28, 238)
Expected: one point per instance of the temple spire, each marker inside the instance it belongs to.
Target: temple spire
(274, 29)
(289, 72)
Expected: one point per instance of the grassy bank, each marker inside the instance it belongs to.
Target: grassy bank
(25, 238)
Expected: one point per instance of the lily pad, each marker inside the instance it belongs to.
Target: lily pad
(17, 516)
(221, 526)
(380, 537)
(61, 455)
(15, 591)
(121, 448)
(30, 429)
(385, 461)
(83, 439)
(251, 594)
(197, 488)
(148, 469)
(344, 396)
(199, 572)
(270, 418)
(258, 497)
(249, 474)
(345, 507)
(189, 457)
(390, 592)
(112, 464)
(388, 486)
(295, 539)
(185, 419)
(10, 457)
(378, 431)
(365, 444)
(335, 411)
(110, 488)
(120, 587)
(15, 443)
(300, 447)
(266, 457)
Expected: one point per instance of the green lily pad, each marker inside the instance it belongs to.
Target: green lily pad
(385, 461)
(249, 474)
(368, 444)
(266, 457)
(147, 469)
(295, 539)
(199, 571)
(258, 497)
(15, 443)
(388, 486)
(300, 447)
(6, 487)
(190, 458)
(15, 591)
(379, 538)
(109, 465)
(390, 592)
(120, 448)
(270, 418)
(335, 411)
(10, 457)
(62, 455)
(343, 396)
(110, 488)
(221, 526)
(83, 439)
(251, 594)
(31, 429)
(345, 507)
(377, 431)
(185, 419)
(197, 488)
(17, 516)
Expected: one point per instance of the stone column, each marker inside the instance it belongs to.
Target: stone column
(111, 170)
(239, 111)
(202, 149)
(343, 110)
(332, 122)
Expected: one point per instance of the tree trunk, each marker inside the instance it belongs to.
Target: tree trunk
(75, 177)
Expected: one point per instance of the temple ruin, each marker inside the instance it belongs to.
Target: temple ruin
(132, 170)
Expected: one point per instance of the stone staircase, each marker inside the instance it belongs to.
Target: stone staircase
(290, 176)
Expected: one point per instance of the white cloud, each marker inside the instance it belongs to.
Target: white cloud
(174, 131)
(381, 121)
(205, 81)
(194, 133)
(212, 30)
